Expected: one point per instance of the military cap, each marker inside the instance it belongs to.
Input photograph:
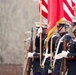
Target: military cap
(64, 23)
(73, 21)
(44, 25)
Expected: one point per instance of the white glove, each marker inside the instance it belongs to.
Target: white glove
(61, 55)
(39, 31)
(49, 71)
(64, 53)
(30, 55)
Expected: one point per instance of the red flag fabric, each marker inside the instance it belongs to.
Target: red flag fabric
(55, 15)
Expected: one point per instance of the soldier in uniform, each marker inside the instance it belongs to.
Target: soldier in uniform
(63, 33)
(70, 54)
(37, 70)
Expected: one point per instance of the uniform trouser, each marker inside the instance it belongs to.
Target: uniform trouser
(71, 65)
(57, 67)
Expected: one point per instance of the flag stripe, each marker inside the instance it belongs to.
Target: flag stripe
(45, 4)
(67, 17)
(67, 13)
(44, 14)
(73, 3)
(68, 6)
(68, 3)
(44, 8)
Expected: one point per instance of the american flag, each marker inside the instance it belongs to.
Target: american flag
(67, 6)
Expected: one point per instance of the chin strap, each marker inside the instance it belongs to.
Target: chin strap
(60, 28)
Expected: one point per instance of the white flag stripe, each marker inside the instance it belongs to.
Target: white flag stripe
(46, 1)
(69, 2)
(44, 9)
(67, 10)
(74, 1)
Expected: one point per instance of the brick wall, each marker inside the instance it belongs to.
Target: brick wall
(10, 69)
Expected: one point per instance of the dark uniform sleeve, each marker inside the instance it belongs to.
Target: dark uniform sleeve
(71, 60)
(72, 50)
(71, 55)
(68, 38)
(53, 43)
(37, 41)
(54, 38)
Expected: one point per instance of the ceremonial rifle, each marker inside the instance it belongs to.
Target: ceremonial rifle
(29, 61)
(63, 67)
(64, 59)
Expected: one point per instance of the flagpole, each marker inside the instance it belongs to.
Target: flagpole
(51, 53)
(40, 34)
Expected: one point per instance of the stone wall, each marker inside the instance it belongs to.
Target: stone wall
(16, 17)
